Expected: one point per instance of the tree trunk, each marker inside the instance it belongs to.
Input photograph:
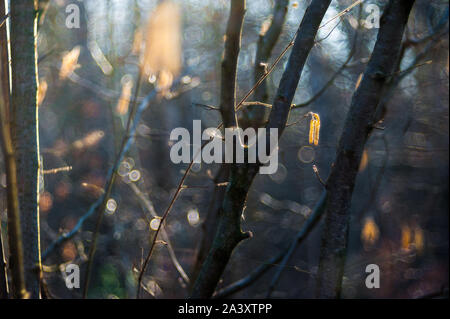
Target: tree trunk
(25, 132)
(359, 123)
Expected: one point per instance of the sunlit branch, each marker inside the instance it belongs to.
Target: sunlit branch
(284, 256)
(149, 207)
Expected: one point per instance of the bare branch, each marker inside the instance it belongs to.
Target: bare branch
(230, 62)
(355, 133)
(332, 79)
(3, 19)
(229, 232)
(127, 142)
(317, 173)
(266, 43)
(284, 256)
(14, 229)
(149, 207)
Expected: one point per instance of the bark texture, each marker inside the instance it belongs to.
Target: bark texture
(230, 61)
(209, 226)
(25, 127)
(358, 125)
(211, 270)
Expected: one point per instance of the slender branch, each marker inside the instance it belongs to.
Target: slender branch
(163, 218)
(355, 133)
(209, 226)
(266, 43)
(127, 142)
(16, 261)
(230, 62)
(331, 80)
(229, 117)
(401, 74)
(284, 256)
(97, 89)
(149, 207)
(206, 106)
(57, 170)
(3, 19)
(307, 226)
(3, 269)
(134, 100)
(132, 124)
(4, 105)
(317, 173)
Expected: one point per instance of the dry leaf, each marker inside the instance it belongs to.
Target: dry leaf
(69, 62)
(125, 96)
(162, 56)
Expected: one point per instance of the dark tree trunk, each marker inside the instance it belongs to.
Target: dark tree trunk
(358, 125)
(25, 127)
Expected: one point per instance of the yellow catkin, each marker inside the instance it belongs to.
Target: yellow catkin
(124, 101)
(312, 125)
(314, 129)
(317, 130)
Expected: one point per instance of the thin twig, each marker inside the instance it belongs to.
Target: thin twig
(307, 226)
(3, 19)
(57, 170)
(128, 140)
(150, 208)
(316, 172)
(163, 218)
(332, 79)
(284, 256)
(132, 123)
(15, 240)
(206, 106)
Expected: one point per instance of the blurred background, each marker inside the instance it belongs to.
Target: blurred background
(89, 75)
